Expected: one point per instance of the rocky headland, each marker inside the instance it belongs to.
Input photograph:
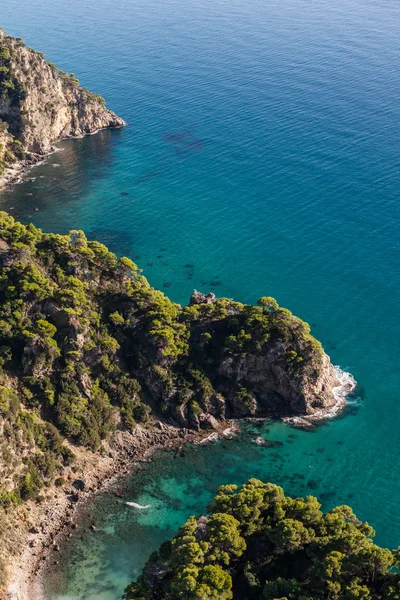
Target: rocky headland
(40, 105)
(94, 362)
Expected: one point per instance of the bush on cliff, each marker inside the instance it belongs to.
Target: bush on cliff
(258, 544)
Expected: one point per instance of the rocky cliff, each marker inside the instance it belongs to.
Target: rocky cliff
(39, 105)
(85, 338)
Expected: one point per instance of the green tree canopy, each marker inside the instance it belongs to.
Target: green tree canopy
(258, 544)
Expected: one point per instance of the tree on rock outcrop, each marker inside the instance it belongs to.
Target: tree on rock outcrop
(258, 544)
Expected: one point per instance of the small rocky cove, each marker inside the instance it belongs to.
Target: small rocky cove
(54, 522)
(78, 510)
(98, 562)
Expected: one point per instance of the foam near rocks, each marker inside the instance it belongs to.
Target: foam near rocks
(340, 392)
(347, 384)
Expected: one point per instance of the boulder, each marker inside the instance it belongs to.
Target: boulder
(34, 530)
(200, 298)
(210, 439)
(79, 484)
(208, 421)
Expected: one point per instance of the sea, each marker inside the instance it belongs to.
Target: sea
(261, 156)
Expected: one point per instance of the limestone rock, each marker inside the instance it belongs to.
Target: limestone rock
(200, 298)
(44, 106)
(208, 421)
(275, 391)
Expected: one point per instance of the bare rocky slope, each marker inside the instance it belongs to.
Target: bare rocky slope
(39, 105)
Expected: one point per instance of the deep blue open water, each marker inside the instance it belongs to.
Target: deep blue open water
(262, 150)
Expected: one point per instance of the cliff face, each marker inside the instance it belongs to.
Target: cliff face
(274, 389)
(39, 104)
(261, 361)
(93, 344)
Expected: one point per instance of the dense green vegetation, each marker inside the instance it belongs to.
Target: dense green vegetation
(10, 88)
(87, 346)
(29, 446)
(12, 95)
(258, 544)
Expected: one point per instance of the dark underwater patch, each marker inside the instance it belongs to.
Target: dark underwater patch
(327, 495)
(183, 142)
(150, 174)
(119, 242)
(312, 484)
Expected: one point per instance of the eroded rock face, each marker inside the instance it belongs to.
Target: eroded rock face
(45, 104)
(274, 390)
(200, 298)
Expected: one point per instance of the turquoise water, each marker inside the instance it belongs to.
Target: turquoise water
(97, 566)
(262, 149)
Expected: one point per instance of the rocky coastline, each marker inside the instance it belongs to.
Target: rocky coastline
(118, 338)
(196, 366)
(39, 106)
(53, 521)
(18, 171)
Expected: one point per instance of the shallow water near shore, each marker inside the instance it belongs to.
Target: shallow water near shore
(99, 565)
(261, 157)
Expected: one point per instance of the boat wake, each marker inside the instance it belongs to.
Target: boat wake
(138, 506)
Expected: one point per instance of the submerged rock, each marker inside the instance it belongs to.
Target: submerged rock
(301, 423)
(259, 441)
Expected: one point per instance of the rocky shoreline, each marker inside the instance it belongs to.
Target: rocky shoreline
(16, 172)
(51, 522)
(39, 106)
(347, 386)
